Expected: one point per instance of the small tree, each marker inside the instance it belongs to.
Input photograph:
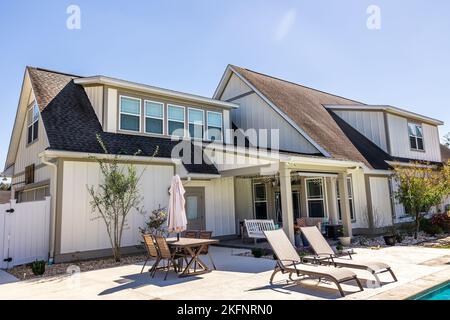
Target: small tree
(421, 187)
(115, 196)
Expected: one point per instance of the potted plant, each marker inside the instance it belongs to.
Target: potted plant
(257, 252)
(391, 238)
(339, 248)
(38, 267)
(345, 241)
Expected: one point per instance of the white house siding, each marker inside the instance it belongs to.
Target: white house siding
(243, 199)
(219, 205)
(80, 231)
(359, 200)
(27, 155)
(255, 113)
(381, 201)
(111, 109)
(95, 95)
(234, 88)
(399, 140)
(369, 123)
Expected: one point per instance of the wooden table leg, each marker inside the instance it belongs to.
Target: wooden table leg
(194, 253)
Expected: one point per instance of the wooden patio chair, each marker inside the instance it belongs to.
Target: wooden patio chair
(166, 254)
(191, 234)
(288, 261)
(152, 252)
(207, 235)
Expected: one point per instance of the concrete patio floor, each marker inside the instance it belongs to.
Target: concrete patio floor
(240, 277)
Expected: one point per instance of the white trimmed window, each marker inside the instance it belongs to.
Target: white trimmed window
(130, 114)
(154, 117)
(260, 200)
(175, 120)
(315, 197)
(196, 123)
(215, 127)
(33, 123)
(415, 132)
(350, 199)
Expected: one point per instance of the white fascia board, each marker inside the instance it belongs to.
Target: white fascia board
(282, 114)
(83, 155)
(154, 90)
(389, 109)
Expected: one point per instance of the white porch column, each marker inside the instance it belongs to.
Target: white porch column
(286, 201)
(332, 201)
(345, 207)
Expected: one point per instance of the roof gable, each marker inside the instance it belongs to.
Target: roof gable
(305, 107)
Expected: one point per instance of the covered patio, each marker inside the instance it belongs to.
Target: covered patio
(302, 187)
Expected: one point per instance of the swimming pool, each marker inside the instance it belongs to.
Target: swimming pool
(441, 292)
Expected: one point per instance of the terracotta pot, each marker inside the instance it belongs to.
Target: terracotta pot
(345, 241)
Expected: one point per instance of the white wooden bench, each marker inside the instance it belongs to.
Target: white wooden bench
(255, 228)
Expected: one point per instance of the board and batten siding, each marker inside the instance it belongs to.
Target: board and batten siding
(368, 123)
(111, 110)
(359, 200)
(29, 154)
(81, 230)
(219, 205)
(95, 95)
(399, 140)
(381, 201)
(255, 113)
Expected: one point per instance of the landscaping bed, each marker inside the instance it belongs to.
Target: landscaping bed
(24, 272)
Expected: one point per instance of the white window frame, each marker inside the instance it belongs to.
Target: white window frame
(207, 126)
(322, 198)
(260, 201)
(32, 123)
(130, 114)
(189, 123)
(350, 198)
(416, 137)
(184, 119)
(150, 117)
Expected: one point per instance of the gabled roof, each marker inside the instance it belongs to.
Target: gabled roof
(72, 125)
(305, 107)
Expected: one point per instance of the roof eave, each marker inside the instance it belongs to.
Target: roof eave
(154, 90)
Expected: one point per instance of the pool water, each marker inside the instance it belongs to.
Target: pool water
(439, 293)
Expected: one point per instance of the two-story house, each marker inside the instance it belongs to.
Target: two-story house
(320, 156)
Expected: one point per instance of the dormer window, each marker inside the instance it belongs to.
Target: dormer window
(33, 123)
(214, 126)
(195, 118)
(130, 114)
(415, 132)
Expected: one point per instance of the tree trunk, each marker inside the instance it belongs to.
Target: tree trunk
(416, 232)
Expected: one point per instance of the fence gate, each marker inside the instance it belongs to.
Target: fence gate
(24, 232)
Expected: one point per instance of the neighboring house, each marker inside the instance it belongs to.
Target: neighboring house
(330, 148)
(5, 196)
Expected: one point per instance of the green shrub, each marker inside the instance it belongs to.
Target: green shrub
(339, 247)
(429, 228)
(38, 267)
(442, 220)
(258, 252)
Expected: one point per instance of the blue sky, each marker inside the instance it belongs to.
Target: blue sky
(186, 45)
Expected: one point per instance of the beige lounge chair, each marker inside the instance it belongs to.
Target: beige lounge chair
(326, 255)
(288, 261)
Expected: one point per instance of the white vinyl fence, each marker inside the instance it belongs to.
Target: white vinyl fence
(24, 232)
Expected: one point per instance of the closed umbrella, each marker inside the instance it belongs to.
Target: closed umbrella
(176, 208)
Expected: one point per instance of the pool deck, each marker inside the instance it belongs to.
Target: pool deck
(240, 278)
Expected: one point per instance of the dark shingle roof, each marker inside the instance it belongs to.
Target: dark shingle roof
(72, 125)
(305, 107)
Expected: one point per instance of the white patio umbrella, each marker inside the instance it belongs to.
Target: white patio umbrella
(176, 209)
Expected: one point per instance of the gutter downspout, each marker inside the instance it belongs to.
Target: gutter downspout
(52, 208)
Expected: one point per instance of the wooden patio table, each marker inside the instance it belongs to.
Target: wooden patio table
(194, 247)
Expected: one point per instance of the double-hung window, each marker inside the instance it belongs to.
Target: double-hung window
(154, 117)
(196, 123)
(260, 200)
(315, 197)
(175, 120)
(415, 132)
(214, 126)
(130, 114)
(33, 123)
(350, 199)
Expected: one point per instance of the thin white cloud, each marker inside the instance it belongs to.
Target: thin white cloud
(285, 25)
